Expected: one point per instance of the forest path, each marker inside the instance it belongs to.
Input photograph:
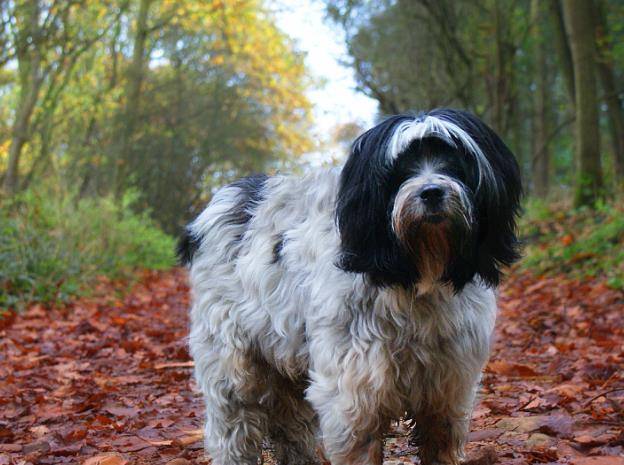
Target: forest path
(108, 380)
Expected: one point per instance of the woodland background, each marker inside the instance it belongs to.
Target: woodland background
(118, 118)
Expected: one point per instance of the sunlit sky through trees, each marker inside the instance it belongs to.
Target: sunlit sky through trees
(335, 98)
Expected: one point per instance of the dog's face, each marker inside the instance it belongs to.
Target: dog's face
(429, 199)
(431, 205)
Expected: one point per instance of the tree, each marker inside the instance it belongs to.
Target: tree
(606, 71)
(161, 99)
(46, 39)
(497, 59)
(28, 53)
(541, 119)
(562, 44)
(134, 83)
(579, 23)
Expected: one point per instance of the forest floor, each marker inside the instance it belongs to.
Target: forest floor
(107, 380)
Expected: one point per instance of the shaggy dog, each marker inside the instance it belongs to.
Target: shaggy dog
(328, 305)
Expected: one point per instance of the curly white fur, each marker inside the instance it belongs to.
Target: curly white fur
(288, 346)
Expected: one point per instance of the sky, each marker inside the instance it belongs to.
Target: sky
(336, 101)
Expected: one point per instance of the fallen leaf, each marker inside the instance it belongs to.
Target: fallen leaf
(485, 434)
(106, 459)
(559, 425)
(593, 440)
(539, 440)
(555, 425)
(40, 430)
(189, 439)
(569, 391)
(500, 367)
(162, 366)
(11, 447)
(178, 461)
(40, 447)
(604, 460)
(485, 455)
(130, 443)
(119, 411)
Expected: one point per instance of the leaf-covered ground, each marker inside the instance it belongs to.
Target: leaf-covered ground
(107, 380)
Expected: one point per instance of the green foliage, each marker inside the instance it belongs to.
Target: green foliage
(581, 242)
(169, 98)
(508, 62)
(52, 245)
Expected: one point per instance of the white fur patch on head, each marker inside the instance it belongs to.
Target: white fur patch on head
(431, 126)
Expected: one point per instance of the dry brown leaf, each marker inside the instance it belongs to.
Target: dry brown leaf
(189, 439)
(106, 459)
(178, 461)
(485, 455)
(604, 460)
(501, 367)
(162, 366)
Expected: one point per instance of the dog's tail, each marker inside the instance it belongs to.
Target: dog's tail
(187, 246)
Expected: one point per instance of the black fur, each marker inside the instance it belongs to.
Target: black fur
(251, 193)
(186, 248)
(277, 249)
(369, 183)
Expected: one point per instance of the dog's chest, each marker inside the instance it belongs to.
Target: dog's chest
(421, 343)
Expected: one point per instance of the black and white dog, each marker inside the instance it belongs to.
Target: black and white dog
(328, 305)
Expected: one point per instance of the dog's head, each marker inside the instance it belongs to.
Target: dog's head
(429, 199)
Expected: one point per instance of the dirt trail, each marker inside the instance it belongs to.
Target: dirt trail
(111, 376)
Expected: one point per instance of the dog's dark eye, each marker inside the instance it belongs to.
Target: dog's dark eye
(456, 170)
(404, 168)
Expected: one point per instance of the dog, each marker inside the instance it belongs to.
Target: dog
(326, 306)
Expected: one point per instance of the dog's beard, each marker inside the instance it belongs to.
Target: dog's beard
(428, 244)
(430, 238)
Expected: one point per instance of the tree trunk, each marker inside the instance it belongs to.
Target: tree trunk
(610, 93)
(541, 156)
(29, 71)
(563, 47)
(20, 135)
(579, 24)
(499, 71)
(136, 75)
(503, 81)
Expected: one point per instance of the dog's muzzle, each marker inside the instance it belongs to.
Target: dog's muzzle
(433, 197)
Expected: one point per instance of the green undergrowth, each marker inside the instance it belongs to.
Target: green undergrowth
(578, 243)
(53, 246)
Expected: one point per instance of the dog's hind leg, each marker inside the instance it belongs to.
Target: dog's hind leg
(232, 385)
(292, 425)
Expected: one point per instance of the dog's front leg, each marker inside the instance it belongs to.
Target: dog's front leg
(349, 394)
(351, 428)
(442, 425)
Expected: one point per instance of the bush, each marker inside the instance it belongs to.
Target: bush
(52, 245)
(580, 242)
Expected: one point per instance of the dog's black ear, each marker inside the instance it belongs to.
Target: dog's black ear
(497, 199)
(367, 243)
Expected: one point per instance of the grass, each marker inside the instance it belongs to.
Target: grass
(52, 246)
(579, 243)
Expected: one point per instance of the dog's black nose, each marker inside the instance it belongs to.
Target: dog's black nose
(432, 195)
